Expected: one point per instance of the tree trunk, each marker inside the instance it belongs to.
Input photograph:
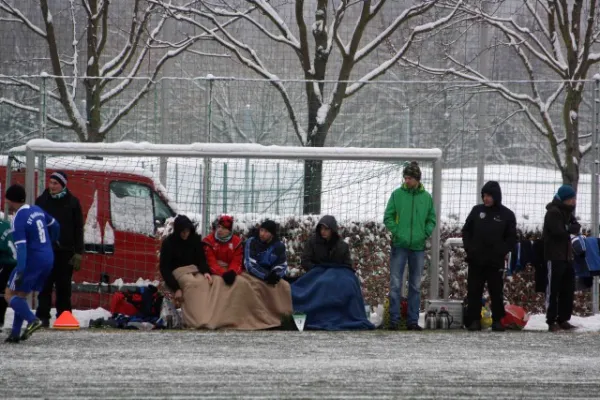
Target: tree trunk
(313, 185)
(573, 155)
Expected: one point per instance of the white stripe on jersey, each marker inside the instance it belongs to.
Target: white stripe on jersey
(20, 241)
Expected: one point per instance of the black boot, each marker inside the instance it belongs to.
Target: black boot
(475, 326)
(498, 327)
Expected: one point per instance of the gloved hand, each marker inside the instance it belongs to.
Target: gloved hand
(229, 277)
(272, 279)
(76, 262)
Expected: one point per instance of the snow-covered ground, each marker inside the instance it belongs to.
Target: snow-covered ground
(537, 322)
(281, 365)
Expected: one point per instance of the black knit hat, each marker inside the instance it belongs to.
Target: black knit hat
(16, 193)
(59, 177)
(412, 169)
(270, 226)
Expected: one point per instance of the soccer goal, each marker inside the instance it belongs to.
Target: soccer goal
(128, 191)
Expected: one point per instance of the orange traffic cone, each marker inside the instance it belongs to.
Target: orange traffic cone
(66, 321)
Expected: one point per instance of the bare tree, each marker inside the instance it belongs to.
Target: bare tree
(107, 78)
(313, 57)
(554, 42)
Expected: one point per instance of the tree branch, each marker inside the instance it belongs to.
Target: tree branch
(4, 6)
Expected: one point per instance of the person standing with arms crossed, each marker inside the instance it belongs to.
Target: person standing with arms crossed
(58, 201)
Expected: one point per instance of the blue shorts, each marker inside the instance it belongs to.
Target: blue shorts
(33, 279)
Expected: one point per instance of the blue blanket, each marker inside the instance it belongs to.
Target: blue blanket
(331, 299)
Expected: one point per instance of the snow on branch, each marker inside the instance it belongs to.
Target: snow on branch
(382, 68)
(8, 8)
(288, 37)
(36, 110)
(401, 19)
(249, 57)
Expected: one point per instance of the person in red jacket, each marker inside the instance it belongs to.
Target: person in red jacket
(224, 250)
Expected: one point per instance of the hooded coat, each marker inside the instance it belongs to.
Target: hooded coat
(490, 233)
(559, 225)
(176, 252)
(321, 252)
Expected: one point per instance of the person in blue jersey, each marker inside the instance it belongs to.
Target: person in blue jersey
(264, 254)
(34, 232)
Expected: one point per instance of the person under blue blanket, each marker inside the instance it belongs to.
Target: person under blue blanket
(329, 293)
(264, 254)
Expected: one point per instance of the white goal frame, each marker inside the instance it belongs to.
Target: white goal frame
(41, 147)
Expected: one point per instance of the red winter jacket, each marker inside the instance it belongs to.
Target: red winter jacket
(230, 253)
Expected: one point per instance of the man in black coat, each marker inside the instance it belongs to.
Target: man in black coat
(559, 225)
(182, 248)
(489, 234)
(326, 247)
(60, 203)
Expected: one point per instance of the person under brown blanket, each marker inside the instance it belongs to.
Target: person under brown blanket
(182, 248)
(248, 304)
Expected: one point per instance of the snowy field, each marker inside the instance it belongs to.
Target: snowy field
(278, 365)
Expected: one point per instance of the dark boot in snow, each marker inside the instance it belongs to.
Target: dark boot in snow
(554, 327)
(498, 327)
(566, 325)
(475, 326)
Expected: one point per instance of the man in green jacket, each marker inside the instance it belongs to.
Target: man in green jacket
(8, 260)
(410, 216)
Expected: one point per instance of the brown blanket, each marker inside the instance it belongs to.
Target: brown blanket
(249, 304)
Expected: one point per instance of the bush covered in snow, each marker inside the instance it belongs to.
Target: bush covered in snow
(370, 246)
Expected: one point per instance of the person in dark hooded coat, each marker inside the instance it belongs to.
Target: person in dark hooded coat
(329, 293)
(326, 247)
(489, 234)
(182, 248)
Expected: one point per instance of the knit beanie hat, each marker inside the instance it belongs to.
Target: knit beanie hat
(16, 193)
(226, 221)
(59, 177)
(565, 192)
(270, 226)
(412, 169)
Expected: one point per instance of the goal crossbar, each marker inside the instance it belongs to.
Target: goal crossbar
(226, 150)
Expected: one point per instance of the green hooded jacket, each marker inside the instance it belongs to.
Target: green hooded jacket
(8, 251)
(410, 216)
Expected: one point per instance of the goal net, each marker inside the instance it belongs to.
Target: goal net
(129, 192)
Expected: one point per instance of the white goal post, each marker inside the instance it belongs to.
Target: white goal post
(41, 149)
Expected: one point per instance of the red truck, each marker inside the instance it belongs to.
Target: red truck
(124, 209)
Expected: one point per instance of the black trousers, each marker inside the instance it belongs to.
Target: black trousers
(560, 291)
(61, 278)
(4, 275)
(479, 275)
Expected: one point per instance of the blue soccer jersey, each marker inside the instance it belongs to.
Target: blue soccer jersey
(34, 231)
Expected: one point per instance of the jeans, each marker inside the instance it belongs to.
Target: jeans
(416, 261)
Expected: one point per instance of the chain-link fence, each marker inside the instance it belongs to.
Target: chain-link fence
(477, 130)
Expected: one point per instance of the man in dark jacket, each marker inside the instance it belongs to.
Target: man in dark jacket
(489, 234)
(60, 203)
(264, 254)
(326, 247)
(182, 248)
(559, 225)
